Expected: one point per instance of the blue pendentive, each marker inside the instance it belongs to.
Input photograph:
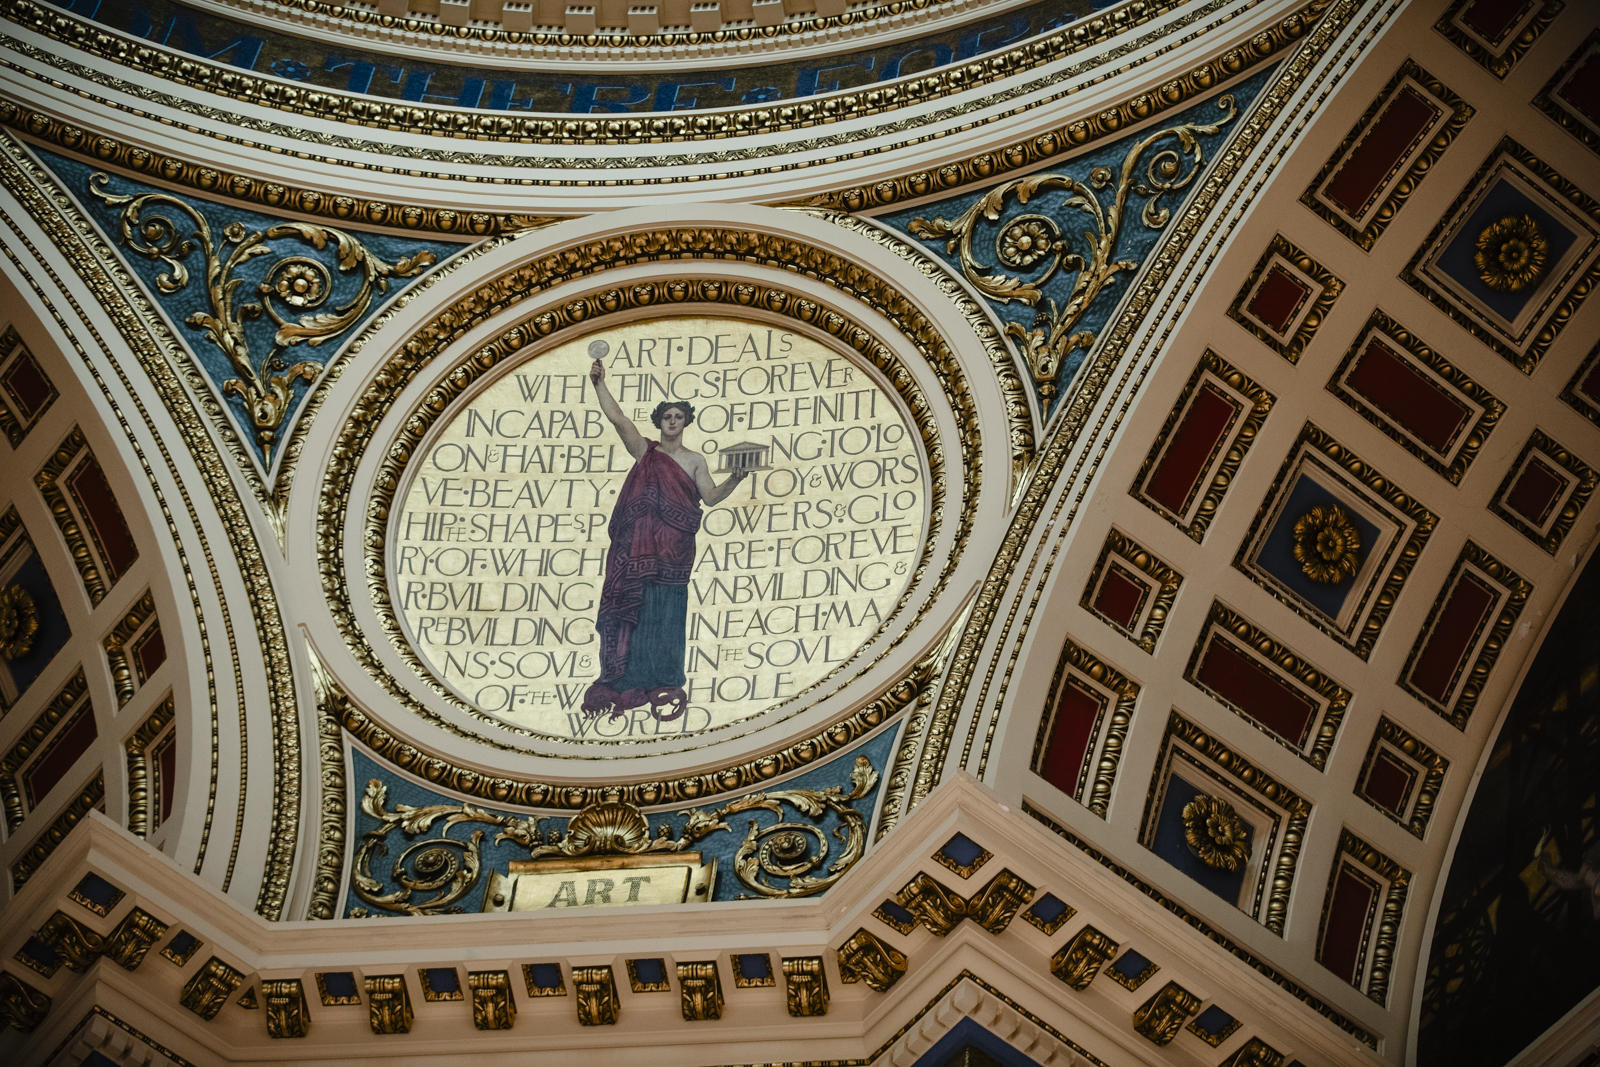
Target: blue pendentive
(1010, 244)
(721, 844)
(281, 294)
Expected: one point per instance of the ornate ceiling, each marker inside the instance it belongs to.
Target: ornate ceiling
(1126, 465)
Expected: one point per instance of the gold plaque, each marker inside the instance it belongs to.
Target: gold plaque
(601, 882)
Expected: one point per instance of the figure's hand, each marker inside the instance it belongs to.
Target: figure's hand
(597, 372)
(739, 476)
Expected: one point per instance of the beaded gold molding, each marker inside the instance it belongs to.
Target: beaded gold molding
(1380, 943)
(1545, 100)
(1514, 590)
(70, 698)
(1400, 190)
(1498, 63)
(144, 776)
(1564, 298)
(1474, 434)
(1404, 510)
(123, 676)
(1336, 698)
(91, 798)
(1093, 791)
(1167, 580)
(1210, 933)
(328, 879)
(1576, 496)
(1233, 446)
(1430, 777)
(1281, 249)
(1272, 907)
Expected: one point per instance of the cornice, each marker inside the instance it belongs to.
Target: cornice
(458, 124)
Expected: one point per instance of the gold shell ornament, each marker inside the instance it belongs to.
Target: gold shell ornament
(1512, 253)
(1215, 833)
(19, 622)
(1327, 545)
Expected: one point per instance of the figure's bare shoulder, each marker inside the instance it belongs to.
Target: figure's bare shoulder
(698, 462)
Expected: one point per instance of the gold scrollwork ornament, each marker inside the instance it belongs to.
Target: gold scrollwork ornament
(1215, 833)
(868, 958)
(449, 868)
(1512, 253)
(19, 622)
(299, 283)
(1035, 241)
(1080, 959)
(1327, 545)
(1163, 1015)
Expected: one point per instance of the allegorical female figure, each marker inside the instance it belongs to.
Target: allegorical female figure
(644, 603)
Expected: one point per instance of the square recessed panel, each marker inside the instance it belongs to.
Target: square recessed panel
(962, 855)
(1544, 492)
(752, 969)
(1285, 299)
(1214, 1026)
(895, 917)
(1131, 969)
(648, 976)
(1389, 781)
(1401, 776)
(1416, 396)
(1343, 584)
(96, 894)
(1049, 913)
(1193, 761)
(1276, 555)
(1170, 842)
(1571, 98)
(1131, 590)
(543, 980)
(1497, 33)
(1388, 153)
(1513, 257)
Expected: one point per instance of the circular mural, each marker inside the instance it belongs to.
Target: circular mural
(657, 528)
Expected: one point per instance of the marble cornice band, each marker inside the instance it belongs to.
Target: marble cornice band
(110, 151)
(419, 119)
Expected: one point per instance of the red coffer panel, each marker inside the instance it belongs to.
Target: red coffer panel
(1256, 691)
(1278, 299)
(1120, 597)
(1174, 481)
(1466, 608)
(1408, 396)
(1070, 735)
(1344, 937)
(1582, 90)
(1536, 492)
(63, 751)
(100, 506)
(1387, 143)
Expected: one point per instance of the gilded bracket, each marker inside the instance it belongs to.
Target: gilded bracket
(1079, 960)
(701, 988)
(806, 986)
(21, 1005)
(865, 957)
(597, 996)
(75, 944)
(493, 1006)
(941, 909)
(388, 1004)
(287, 1012)
(209, 989)
(1163, 1015)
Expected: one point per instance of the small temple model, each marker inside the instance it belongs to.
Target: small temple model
(747, 456)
